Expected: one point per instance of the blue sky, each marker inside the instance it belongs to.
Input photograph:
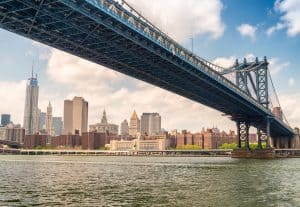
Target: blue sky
(222, 30)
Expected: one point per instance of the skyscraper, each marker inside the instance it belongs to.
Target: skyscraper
(150, 123)
(278, 113)
(31, 112)
(5, 119)
(134, 125)
(42, 120)
(57, 125)
(124, 128)
(75, 115)
(49, 127)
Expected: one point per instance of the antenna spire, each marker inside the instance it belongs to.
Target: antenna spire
(32, 67)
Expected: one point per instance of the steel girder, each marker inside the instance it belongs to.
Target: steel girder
(262, 85)
(252, 78)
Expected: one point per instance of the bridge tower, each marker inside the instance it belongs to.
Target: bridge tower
(252, 78)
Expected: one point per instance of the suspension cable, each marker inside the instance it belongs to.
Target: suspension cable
(276, 96)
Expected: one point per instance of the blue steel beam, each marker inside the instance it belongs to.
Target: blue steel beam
(92, 30)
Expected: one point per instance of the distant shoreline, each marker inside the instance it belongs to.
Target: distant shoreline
(280, 153)
(165, 153)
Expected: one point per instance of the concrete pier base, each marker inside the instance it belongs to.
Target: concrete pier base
(254, 154)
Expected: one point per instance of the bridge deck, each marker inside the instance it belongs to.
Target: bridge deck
(104, 32)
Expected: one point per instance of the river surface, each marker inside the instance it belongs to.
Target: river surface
(147, 181)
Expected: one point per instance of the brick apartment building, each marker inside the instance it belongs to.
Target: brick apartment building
(66, 141)
(33, 141)
(208, 139)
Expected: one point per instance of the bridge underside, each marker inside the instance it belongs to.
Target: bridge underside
(80, 28)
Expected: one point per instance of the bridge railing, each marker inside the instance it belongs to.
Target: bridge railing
(124, 12)
(146, 26)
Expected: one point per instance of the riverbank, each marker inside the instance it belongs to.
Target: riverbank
(279, 153)
(172, 153)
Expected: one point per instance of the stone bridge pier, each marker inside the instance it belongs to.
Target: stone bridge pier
(286, 142)
(296, 139)
(281, 142)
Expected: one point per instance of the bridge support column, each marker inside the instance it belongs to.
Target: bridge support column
(277, 142)
(286, 143)
(243, 134)
(259, 138)
(239, 143)
(296, 139)
(268, 144)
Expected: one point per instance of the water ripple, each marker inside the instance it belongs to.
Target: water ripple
(147, 181)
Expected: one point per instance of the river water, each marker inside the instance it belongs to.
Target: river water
(147, 181)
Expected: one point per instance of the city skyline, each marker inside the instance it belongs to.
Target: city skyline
(150, 103)
(255, 36)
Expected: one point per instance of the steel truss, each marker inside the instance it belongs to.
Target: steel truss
(252, 78)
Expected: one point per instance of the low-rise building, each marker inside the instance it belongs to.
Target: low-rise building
(184, 138)
(123, 145)
(206, 139)
(94, 140)
(66, 141)
(151, 145)
(136, 144)
(2, 133)
(155, 136)
(35, 140)
(12, 132)
(104, 126)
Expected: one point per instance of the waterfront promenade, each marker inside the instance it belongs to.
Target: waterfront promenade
(280, 153)
(217, 152)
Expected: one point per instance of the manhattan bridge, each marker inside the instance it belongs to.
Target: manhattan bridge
(113, 34)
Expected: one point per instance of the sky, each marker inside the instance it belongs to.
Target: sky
(222, 31)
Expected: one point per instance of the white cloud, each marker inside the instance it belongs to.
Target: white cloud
(77, 72)
(225, 62)
(250, 57)
(184, 19)
(290, 19)
(277, 27)
(13, 96)
(247, 30)
(38, 51)
(291, 82)
(290, 106)
(276, 66)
